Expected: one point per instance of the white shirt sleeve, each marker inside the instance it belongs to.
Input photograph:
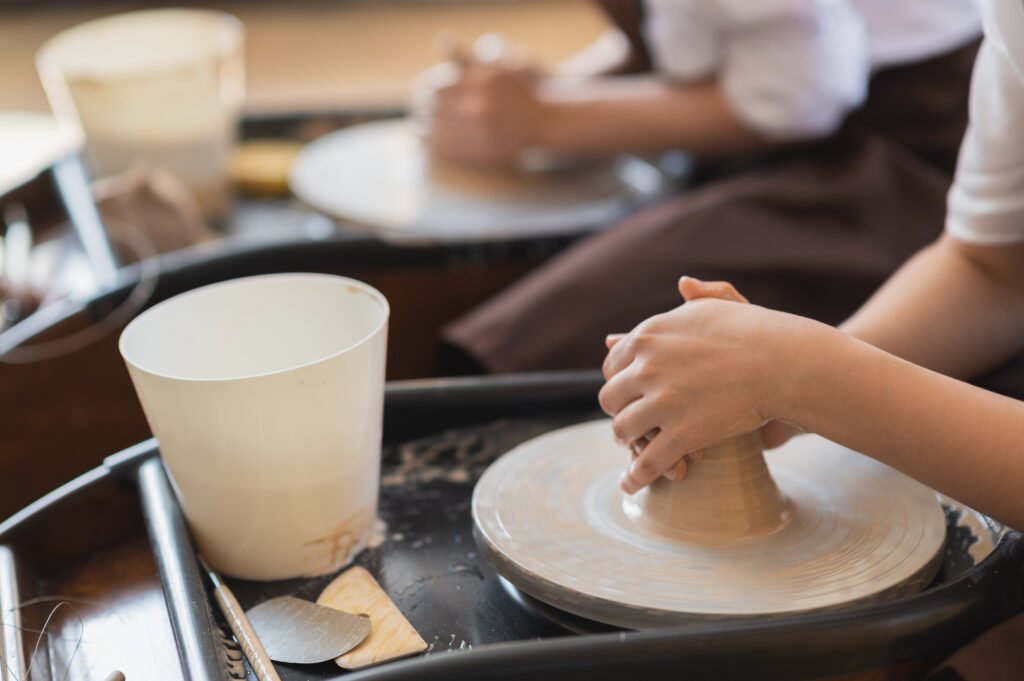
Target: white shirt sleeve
(986, 202)
(790, 69)
(685, 37)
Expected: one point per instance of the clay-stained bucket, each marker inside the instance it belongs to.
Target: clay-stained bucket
(266, 395)
(158, 87)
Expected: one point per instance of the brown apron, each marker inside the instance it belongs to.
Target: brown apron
(812, 228)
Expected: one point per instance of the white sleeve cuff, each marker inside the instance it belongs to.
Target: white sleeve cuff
(986, 202)
(987, 209)
(799, 74)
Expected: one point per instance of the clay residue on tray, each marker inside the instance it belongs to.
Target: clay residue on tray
(339, 546)
(378, 534)
(458, 457)
(974, 533)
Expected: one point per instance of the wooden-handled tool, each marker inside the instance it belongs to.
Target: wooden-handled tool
(240, 627)
(392, 636)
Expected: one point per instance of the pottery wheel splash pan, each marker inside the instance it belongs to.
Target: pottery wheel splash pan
(443, 422)
(835, 529)
(380, 175)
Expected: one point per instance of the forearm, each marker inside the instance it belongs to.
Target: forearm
(950, 435)
(642, 115)
(953, 308)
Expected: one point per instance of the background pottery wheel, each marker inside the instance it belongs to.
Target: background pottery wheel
(551, 518)
(379, 175)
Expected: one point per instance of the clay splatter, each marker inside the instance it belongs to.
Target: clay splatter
(454, 456)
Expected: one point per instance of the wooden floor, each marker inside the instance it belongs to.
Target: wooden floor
(315, 54)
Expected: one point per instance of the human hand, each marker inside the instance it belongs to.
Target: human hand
(702, 373)
(774, 433)
(483, 110)
(694, 289)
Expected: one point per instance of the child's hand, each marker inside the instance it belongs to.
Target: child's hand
(702, 373)
(482, 109)
(774, 433)
(487, 118)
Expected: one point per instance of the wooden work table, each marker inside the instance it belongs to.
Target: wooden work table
(318, 55)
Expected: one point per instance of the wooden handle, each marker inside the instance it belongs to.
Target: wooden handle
(245, 635)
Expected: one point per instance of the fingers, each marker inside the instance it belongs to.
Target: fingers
(495, 49)
(448, 46)
(619, 391)
(675, 472)
(694, 289)
(427, 89)
(461, 103)
(620, 355)
(638, 445)
(659, 456)
(465, 124)
(491, 48)
(461, 128)
(678, 471)
(611, 339)
(452, 96)
(635, 422)
(614, 398)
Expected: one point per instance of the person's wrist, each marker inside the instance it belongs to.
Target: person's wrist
(802, 353)
(550, 120)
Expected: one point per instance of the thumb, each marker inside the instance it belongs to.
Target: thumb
(612, 339)
(691, 288)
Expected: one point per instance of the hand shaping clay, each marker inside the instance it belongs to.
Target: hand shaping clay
(729, 495)
(817, 526)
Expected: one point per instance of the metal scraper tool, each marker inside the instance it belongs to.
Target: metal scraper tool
(300, 632)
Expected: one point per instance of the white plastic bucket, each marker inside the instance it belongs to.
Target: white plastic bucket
(266, 395)
(161, 87)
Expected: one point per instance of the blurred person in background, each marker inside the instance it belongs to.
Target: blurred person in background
(825, 133)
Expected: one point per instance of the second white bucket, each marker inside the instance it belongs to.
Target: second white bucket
(266, 395)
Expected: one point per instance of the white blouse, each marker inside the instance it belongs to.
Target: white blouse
(986, 203)
(793, 69)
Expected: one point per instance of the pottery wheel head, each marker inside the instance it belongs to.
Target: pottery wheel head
(821, 526)
(381, 176)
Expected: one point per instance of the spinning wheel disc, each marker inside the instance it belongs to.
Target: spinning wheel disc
(379, 175)
(551, 518)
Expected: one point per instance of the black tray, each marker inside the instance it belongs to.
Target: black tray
(446, 432)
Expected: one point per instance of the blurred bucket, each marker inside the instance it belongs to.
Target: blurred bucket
(266, 394)
(159, 87)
